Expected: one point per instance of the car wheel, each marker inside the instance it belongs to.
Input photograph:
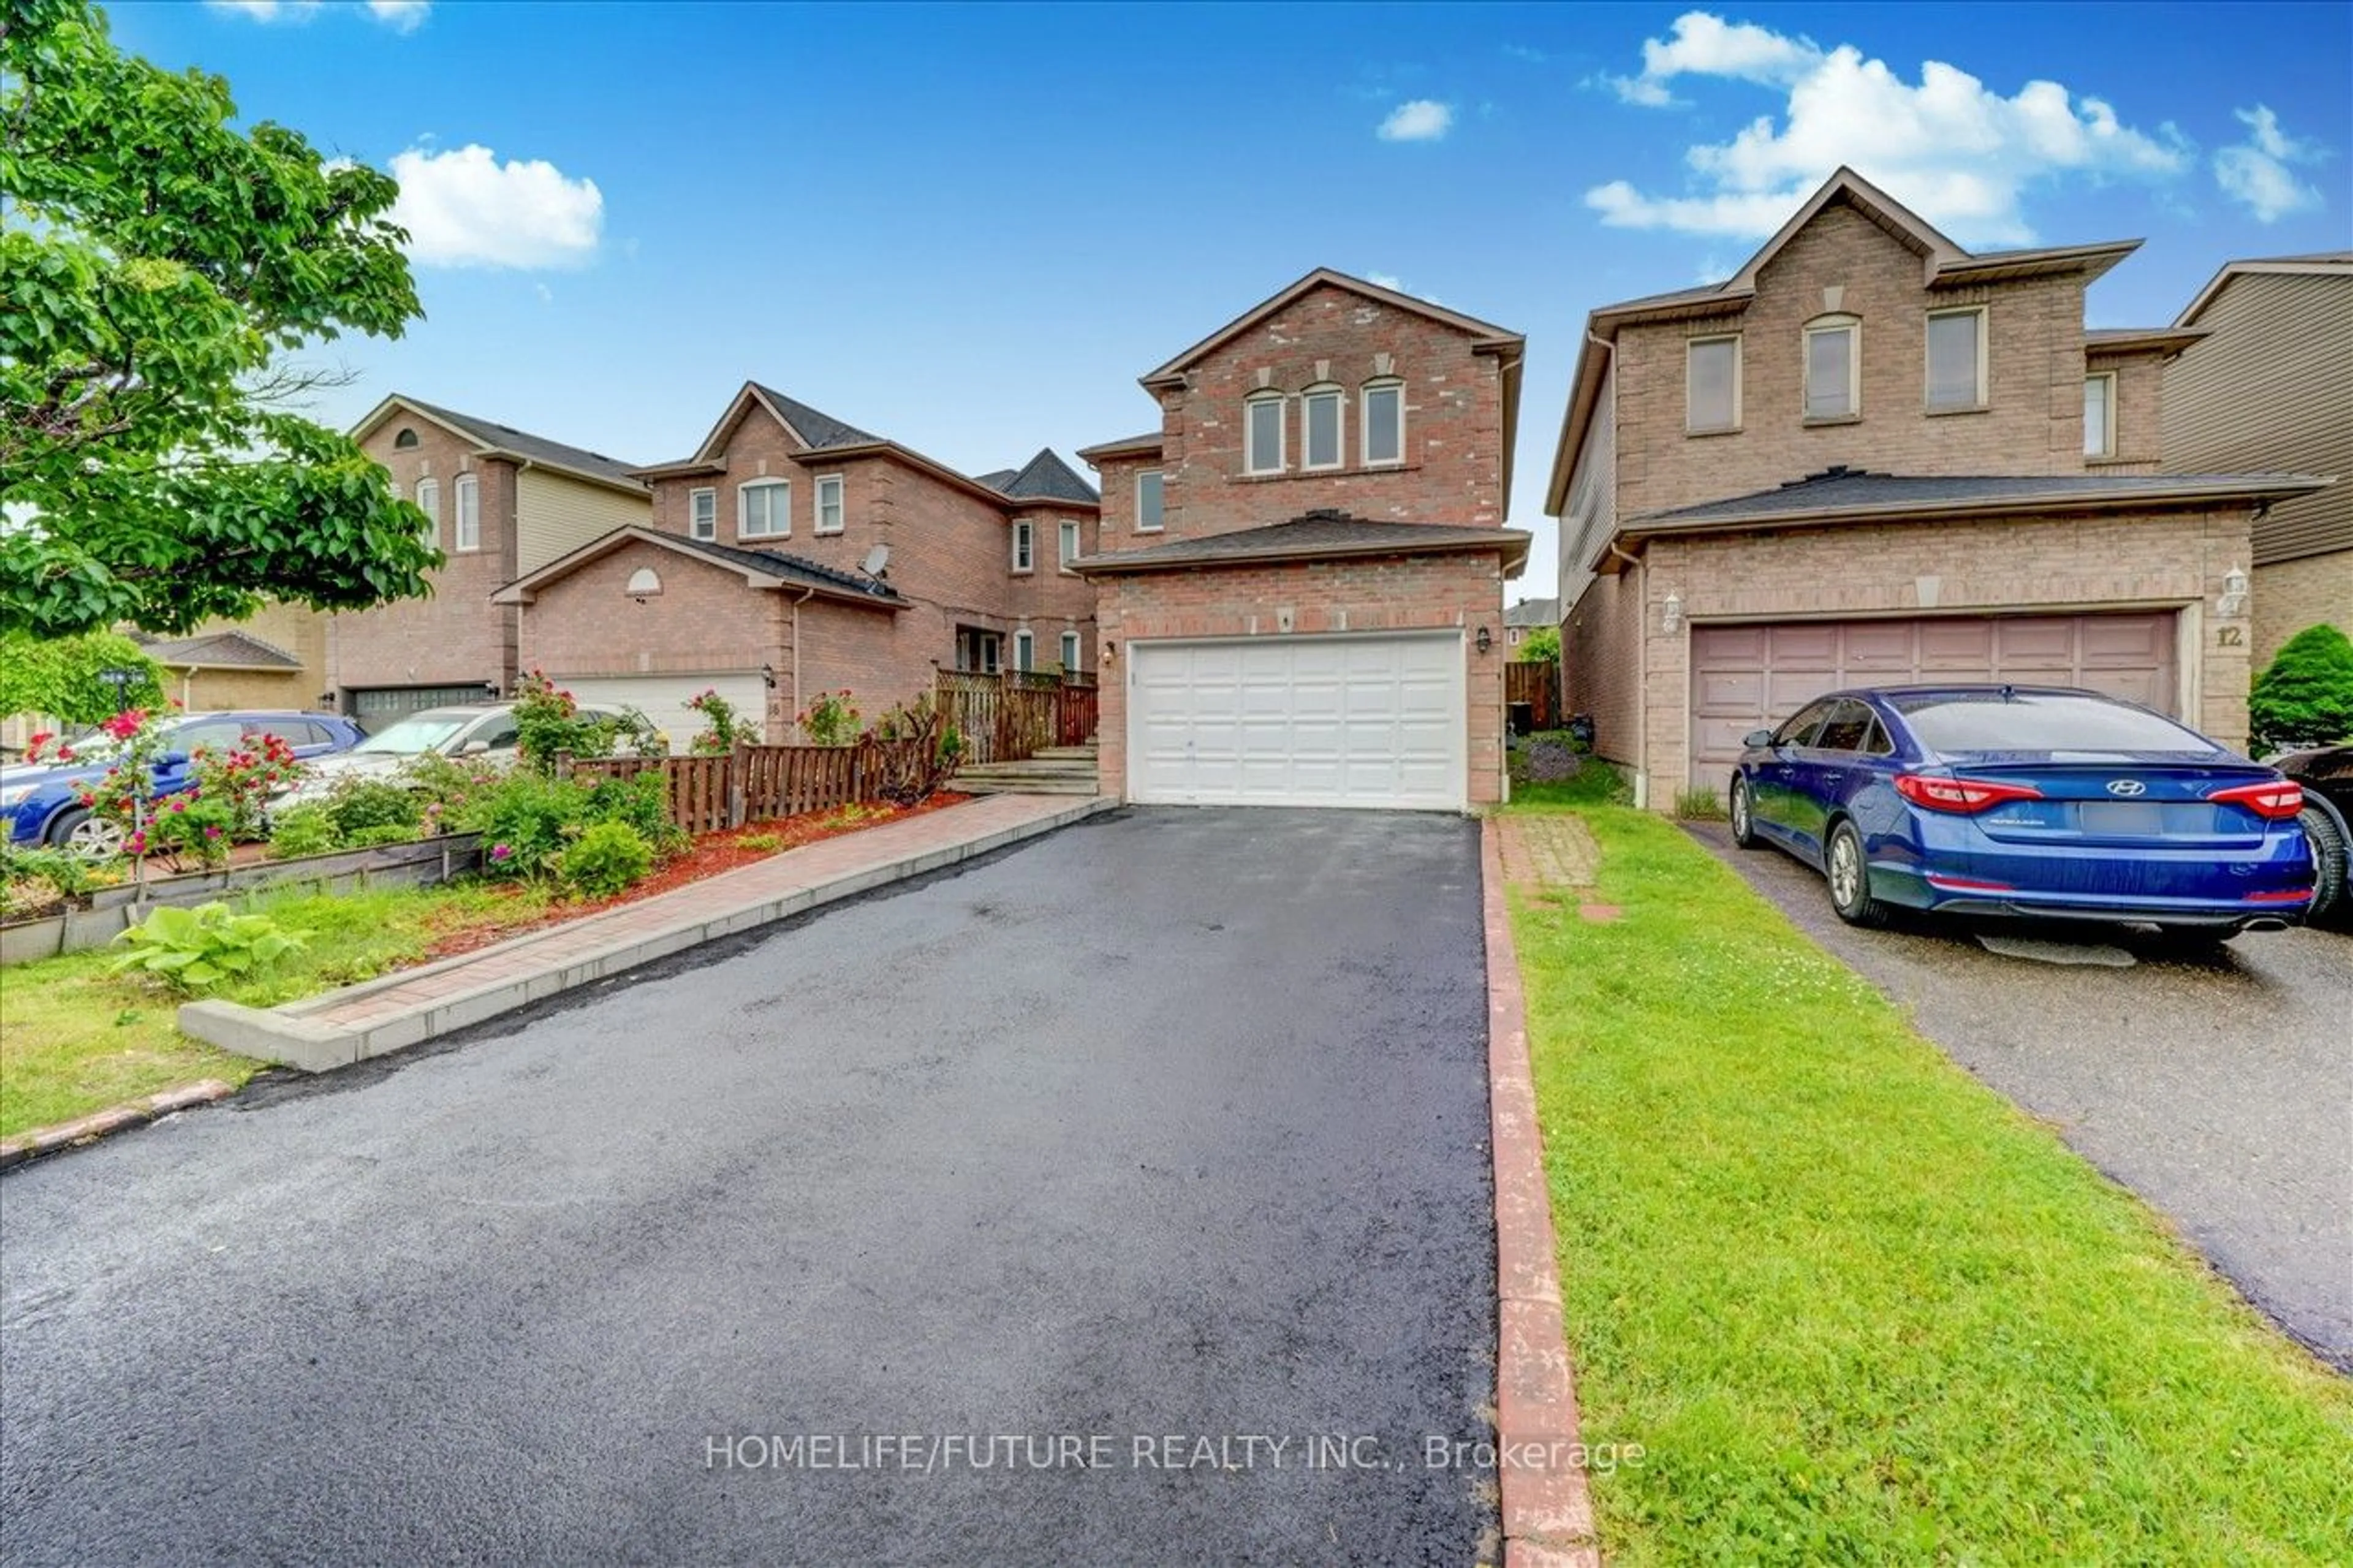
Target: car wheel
(1744, 815)
(79, 833)
(2328, 851)
(1849, 870)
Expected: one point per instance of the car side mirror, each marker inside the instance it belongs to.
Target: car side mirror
(474, 749)
(1757, 739)
(171, 760)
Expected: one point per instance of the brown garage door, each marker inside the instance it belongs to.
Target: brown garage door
(1746, 678)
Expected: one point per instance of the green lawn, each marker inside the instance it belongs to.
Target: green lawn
(1855, 1306)
(75, 1040)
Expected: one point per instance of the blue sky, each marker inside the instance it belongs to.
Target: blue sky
(972, 229)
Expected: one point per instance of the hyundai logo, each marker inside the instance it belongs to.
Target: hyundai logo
(2127, 788)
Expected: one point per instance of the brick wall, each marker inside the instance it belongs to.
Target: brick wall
(2032, 422)
(1117, 476)
(457, 636)
(1357, 595)
(1453, 423)
(2140, 412)
(1601, 658)
(2290, 595)
(2047, 563)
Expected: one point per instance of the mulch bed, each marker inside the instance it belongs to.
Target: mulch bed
(707, 857)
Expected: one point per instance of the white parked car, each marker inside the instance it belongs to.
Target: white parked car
(476, 729)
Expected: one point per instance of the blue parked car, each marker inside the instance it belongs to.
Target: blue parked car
(2017, 800)
(43, 805)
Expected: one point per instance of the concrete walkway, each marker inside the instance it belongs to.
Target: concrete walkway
(319, 1034)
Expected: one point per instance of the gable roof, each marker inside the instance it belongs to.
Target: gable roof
(813, 429)
(1841, 494)
(1533, 613)
(491, 438)
(1047, 478)
(996, 478)
(1318, 535)
(230, 649)
(1491, 337)
(1942, 265)
(2322, 264)
(760, 569)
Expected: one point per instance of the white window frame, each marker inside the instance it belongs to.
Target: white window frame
(1069, 544)
(1393, 387)
(1025, 652)
(1819, 326)
(1071, 647)
(428, 502)
(775, 490)
(840, 504)
(466, 514)
(1142, 526)
(2107, 433)
(703, 514)
(1690, 425)
(1339, 399)
(1928, 368)
(1250, 454)
(1025, 547)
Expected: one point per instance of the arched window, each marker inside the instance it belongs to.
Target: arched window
(405, 440)
(1262, 433)
(428, 502)
(1321, 422)
(1384, 422)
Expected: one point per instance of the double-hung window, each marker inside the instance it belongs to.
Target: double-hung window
(1834, 368)
(1148, 496)
(764, 509)
(1025, 651)
(703, 514)
(1384, 423)
(1320, 442)
(1070, 544)
(1024, 546)
(1262, 434)
(1956, 358)
(428, 502)
(1711, 385)
(467, 532)
(1069, 653)
(2100, 415)
(829, 504)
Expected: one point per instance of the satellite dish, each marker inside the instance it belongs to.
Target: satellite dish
(876, 561)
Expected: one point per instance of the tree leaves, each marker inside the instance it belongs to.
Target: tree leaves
(156, 261)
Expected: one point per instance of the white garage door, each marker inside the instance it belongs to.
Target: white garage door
(1344, 721)
(1752, 677)
(664, 698)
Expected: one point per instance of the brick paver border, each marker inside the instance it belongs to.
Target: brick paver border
(1547, 1505)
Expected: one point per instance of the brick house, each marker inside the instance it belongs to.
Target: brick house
(1871, 456)
(1302, 569)
(504, 503)
(2268, 385)
(794, 553)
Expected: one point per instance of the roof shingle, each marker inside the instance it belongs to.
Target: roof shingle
(539, 448)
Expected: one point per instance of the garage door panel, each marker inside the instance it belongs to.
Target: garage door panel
(1734, 690)
(663, 698)
(1803, 648)
(1955, 645)
(1374, 720)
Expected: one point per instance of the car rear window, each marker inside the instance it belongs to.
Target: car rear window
(2042, 721)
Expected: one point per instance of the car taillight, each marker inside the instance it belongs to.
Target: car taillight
(2277, 799)
(1965, 797)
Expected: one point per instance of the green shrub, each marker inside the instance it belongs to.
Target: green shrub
(2306, 697)
(360, 804)
(192, 827)
(642, 802)
(1540, 645)
(68, 874)
(607, 858)
(524, 819)
(306, 829)
(381, 833)
(193, 950)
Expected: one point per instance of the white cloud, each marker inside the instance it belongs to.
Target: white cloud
(465, 209)
(1418, 120)
(400, 16)
(2256, 170)
(267, 10)
(1956, 151)
(1386, 281)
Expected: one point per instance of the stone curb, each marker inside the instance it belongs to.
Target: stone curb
(1547, 1508)
(292, 1037)
(114, 1119)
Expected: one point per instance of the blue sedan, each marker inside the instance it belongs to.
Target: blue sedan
(2016, 800)
(43, 805)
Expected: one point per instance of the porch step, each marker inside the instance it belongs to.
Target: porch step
(1056, 770)
(1007, 783)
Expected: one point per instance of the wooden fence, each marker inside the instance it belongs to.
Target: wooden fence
(1012, 717)
(759, 783)
(1536, 682)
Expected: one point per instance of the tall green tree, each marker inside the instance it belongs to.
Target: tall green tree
(67, 677)
(158, 263)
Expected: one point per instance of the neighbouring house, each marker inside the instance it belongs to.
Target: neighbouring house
(275, 658)
(794, 555)
(2268, 386)
(1302, 569)
(502, 502)
(1528, 615)
(1872, 456)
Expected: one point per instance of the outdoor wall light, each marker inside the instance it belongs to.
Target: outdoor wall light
(769, 676)
(1671, 614)
(1110, 651)
(2233, 601)
(1487, 639)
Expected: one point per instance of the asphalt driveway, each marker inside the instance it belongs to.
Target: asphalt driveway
(2220, 1088)
(1133, 1182)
